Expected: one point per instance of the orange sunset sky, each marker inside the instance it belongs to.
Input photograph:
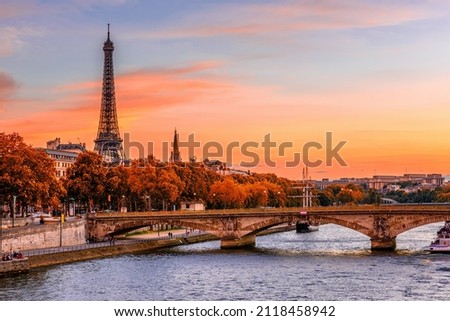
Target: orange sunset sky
(375, 74)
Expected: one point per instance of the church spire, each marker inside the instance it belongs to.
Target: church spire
(175, 154)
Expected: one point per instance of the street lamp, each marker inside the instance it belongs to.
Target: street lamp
(149, 204)
(195, 202)
(71, 206)
(265, 200)
(61, 221)
(14, 209)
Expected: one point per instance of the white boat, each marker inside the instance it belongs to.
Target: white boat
(442, 242)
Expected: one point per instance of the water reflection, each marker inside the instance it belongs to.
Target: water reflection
(333, 264)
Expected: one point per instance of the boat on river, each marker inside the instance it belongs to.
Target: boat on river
(306, 227)
(442, 242)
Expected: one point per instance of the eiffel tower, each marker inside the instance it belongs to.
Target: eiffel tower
(108, 142)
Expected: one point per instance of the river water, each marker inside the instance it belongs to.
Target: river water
(334, 263)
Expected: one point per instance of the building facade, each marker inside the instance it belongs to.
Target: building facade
(63, 155)
(379, 182)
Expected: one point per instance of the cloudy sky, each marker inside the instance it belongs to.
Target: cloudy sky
(375, 74)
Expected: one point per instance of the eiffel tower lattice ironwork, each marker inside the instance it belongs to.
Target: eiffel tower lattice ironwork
(108, 142)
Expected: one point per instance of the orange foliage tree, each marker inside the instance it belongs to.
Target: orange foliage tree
(27, 173)
(227, 194)
(350, 194)
(86, 179)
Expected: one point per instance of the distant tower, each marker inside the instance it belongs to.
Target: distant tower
(175, 154)
(108, 142)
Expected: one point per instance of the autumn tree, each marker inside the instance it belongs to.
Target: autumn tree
(168, 187)
(116, 187)
(264, 193)
(227, 194)
(443, 195)
(257, 194)
(27, 173)
(86, 179)
(142, 183)
(197, 181)
(350, 194)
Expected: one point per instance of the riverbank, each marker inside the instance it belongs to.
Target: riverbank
(112, 250)
(14, 266)
(146, 245)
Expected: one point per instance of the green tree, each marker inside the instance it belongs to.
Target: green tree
(325, 197)
(372, 197)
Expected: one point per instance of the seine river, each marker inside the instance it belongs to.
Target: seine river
(334, 263)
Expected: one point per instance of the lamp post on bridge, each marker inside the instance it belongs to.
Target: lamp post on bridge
(265, 200)
(195, 202)
(123, 208)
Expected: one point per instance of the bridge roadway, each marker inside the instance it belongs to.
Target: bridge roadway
(238, 227)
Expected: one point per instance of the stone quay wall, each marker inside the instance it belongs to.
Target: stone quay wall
(32, 237)
(119, 249)
(18, 221)
(14, 266)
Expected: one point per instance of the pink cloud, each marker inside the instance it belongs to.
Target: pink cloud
(7, 86)
(292, 16)
(13, 38)
(193, 98)
(317, 15)
(138, 93)
(14, 9)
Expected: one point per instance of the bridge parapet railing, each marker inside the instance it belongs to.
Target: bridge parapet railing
(188, 212)
(295, 210)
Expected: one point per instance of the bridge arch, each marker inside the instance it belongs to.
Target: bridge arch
(420, 221)
(385, 200)
(345, 222)
(255, 228)
(121, 227)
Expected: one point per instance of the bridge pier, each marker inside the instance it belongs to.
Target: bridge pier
(245, 241)
(382, 244)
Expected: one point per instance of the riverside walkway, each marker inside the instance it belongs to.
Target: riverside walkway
(164, 235)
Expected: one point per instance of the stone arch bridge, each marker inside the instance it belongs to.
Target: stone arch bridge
(237, 228)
